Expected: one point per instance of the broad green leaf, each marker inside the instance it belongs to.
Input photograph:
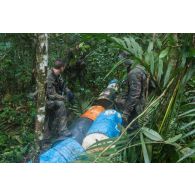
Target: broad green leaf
(160, 69)
(164, 53)
(134, 45)
(151, 134)
(183, 60)
(150, 46)
(188, 152)
(144, 149)
(173, 139)
(137, 49)
(149, 58)
(119, 41)
(149, 147)
(158, 43)
(167, 75)
(128, 43)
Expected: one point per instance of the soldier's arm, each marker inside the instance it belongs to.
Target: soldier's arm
(134, 92)
(51, 92)
(61, 83)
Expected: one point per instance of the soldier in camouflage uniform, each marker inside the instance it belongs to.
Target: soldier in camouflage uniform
(132, 104)
(56, 113)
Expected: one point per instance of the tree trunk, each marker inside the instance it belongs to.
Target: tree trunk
(41, 73)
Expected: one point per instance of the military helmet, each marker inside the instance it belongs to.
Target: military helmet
(125, 55)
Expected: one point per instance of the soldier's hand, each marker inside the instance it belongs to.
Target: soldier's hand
(70, 96)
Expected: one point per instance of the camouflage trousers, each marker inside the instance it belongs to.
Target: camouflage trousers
(56, 119)
(120, 103)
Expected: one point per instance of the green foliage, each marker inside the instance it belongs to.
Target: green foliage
(17, 113)
(16, 135)
(171, 66)
(167, 126)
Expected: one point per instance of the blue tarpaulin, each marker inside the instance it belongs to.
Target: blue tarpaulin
(63, 152)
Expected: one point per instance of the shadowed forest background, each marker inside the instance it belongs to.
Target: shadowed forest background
(167, 132)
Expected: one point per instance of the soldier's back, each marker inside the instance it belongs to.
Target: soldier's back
(135, 76)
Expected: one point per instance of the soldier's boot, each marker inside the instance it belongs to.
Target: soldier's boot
(135, 124)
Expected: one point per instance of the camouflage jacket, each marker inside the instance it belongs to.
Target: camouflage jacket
(54, 86)
(137, 89)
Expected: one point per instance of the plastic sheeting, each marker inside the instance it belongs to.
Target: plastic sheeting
(64, 152)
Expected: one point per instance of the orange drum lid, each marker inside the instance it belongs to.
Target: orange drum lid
(93, 112)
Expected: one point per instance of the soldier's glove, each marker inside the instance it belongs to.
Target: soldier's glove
(70, 96)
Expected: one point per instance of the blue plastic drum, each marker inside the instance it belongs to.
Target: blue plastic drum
(107, 123)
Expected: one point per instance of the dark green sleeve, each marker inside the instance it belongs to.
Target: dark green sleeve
(50, 90)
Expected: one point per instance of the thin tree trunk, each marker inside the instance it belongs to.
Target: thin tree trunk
(41, 73)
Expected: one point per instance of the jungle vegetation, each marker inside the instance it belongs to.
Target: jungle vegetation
(167, 125)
